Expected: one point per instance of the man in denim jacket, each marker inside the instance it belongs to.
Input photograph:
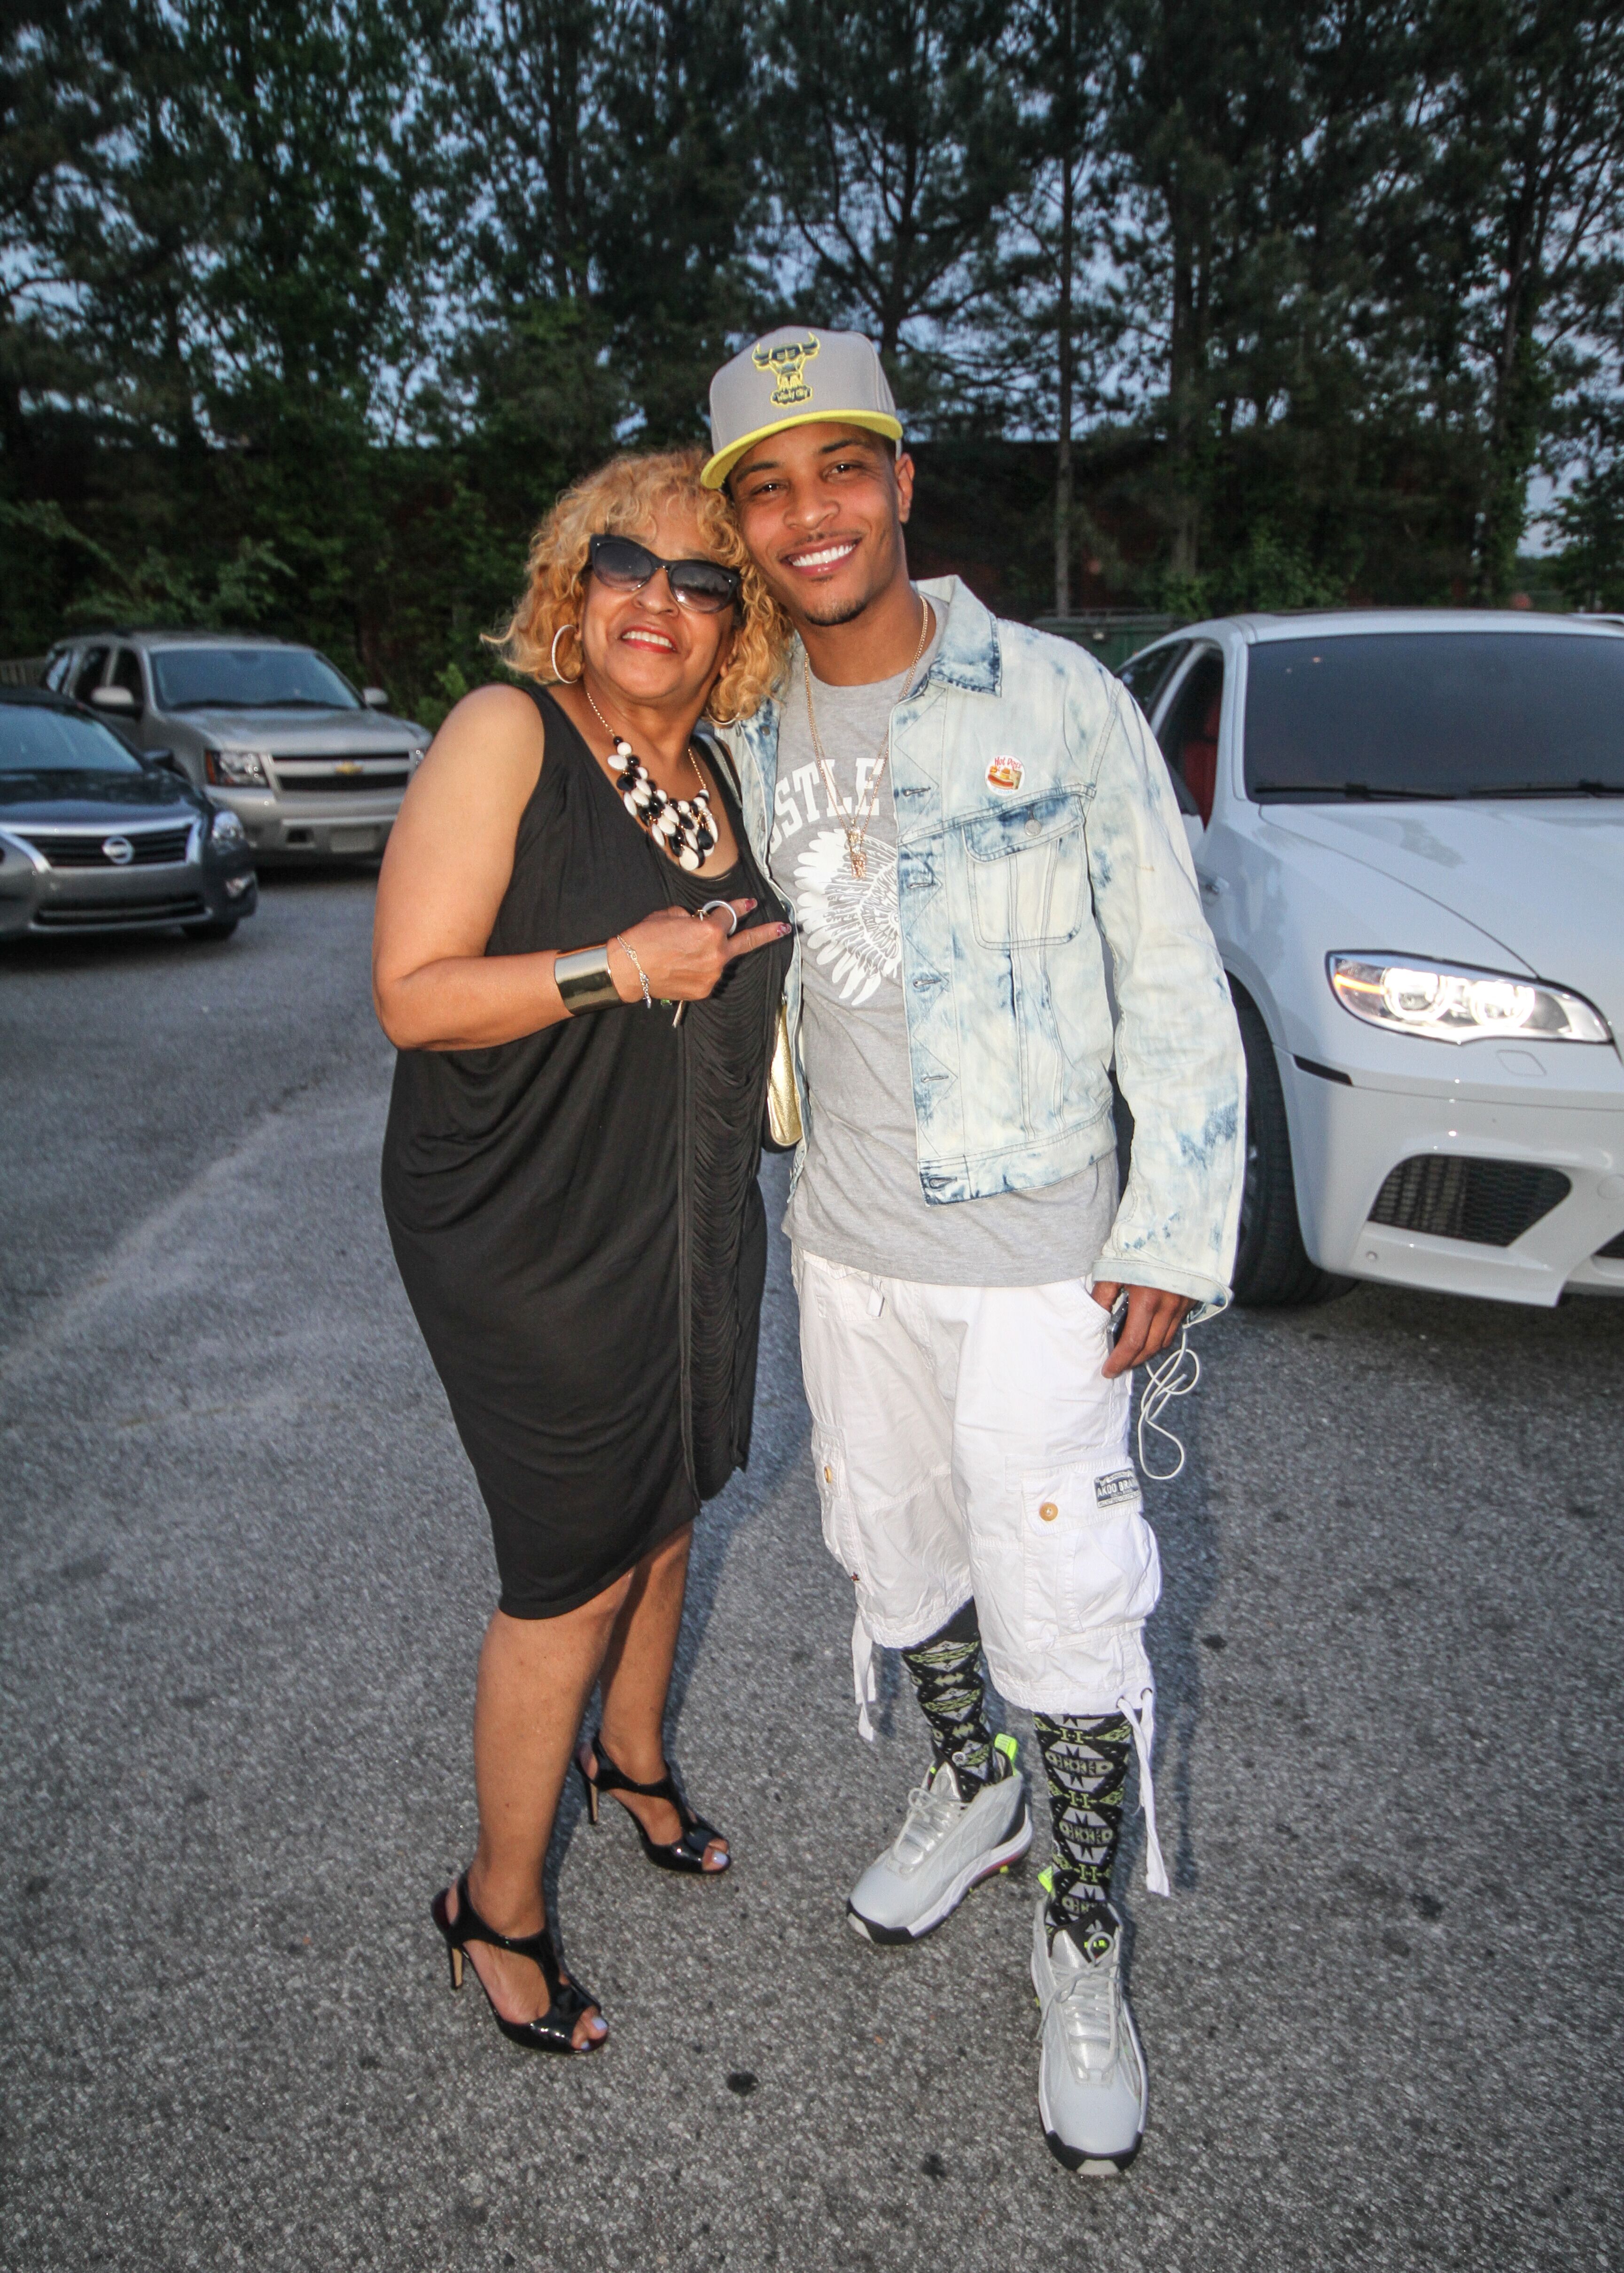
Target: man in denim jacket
(966, 815)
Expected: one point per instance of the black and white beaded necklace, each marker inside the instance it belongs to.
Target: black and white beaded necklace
(683, 825)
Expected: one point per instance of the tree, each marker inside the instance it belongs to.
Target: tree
(1588, 519)
(893, 143)
(1054, 321)
(243, 283)
(57, 100)
(606, 154)
(1525, 105)
(1229, 120)
(306, 314)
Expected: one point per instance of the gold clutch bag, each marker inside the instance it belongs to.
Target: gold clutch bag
(783, 1108)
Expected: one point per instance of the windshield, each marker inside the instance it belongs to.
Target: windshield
(248, 678)
(35, 740)
(1436, 714)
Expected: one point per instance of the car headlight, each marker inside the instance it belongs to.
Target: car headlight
(414, 759)
(228, 830)
(236, 769)
(1451, 1003)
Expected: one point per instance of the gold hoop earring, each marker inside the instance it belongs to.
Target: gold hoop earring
(557, 636)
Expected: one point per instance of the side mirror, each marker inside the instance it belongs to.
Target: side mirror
(115, 698)
(375, 697)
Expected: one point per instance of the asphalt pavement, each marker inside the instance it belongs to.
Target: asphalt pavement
(245, 1575)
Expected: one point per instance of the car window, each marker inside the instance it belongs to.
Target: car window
(1189, 733)
(1436, 714)
(89, 672)
(248, 678)
(56, 671)
(127, 673)
(36, 740)
(1145, 674)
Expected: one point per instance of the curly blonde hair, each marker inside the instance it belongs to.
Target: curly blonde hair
(623, 498)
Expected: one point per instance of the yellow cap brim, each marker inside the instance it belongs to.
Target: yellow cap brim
(878, 421)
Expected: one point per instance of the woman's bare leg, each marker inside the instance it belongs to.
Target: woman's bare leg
(534, 1678)
(637, 1678)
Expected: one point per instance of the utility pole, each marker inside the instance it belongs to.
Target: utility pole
(1063, 448)
(1067, 105)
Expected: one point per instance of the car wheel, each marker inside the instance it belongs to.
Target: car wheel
(1273, 1270)
(216, 927)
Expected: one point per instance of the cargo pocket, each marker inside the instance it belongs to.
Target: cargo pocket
(1091, 1558)
(841, 1536)
(840, 1517)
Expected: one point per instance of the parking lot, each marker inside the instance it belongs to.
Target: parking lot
(245, 1576)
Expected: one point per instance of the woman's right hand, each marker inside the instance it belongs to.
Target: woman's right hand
(683, 954)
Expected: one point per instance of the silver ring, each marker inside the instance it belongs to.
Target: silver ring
(728, 910)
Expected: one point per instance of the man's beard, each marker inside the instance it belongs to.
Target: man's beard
(845, 612)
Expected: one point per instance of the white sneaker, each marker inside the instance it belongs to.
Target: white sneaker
(1091, 2084)
(945, 1845)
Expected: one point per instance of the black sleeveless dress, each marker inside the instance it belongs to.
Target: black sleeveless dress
(576, 1216)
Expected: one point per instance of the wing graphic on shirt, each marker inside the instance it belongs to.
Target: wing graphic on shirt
(848, 924)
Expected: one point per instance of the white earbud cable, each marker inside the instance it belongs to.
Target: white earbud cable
(1174, 1374)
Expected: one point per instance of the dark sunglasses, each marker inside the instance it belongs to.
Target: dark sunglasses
(622, 564)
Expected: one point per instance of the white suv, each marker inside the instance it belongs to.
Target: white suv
(1409, 830)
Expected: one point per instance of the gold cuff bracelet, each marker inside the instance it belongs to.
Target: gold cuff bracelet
(584, 982)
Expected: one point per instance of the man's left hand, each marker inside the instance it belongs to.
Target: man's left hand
(1153, 1320)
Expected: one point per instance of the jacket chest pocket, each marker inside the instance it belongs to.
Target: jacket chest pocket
(1029, 872)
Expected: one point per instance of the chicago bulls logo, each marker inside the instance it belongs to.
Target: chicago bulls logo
(788, 365)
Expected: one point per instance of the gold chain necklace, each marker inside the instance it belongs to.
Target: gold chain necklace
(849, 829)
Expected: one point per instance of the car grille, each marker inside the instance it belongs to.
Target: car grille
(1613, 1252)
(152, 848)
(322, 773)
(1490, 1202)
(100, 915)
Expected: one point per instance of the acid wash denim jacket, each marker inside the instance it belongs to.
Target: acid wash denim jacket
(1036, 820)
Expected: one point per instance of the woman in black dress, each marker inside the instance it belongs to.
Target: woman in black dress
(580, 961)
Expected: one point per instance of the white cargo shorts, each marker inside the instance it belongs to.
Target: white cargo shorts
(966, 1443)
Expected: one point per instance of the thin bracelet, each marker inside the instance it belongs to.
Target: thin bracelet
(642, 976)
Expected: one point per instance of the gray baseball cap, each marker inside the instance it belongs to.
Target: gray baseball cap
(795, 377)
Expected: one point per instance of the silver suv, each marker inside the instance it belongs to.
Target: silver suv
(312, 768)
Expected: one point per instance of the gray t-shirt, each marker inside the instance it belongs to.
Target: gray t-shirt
(859, 1201)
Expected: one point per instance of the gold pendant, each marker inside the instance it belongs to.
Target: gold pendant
(858, 859)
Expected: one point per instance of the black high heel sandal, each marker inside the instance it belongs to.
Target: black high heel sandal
(686, 1854)
(553, 2030)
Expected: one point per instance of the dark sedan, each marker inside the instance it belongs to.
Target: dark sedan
(93, 838)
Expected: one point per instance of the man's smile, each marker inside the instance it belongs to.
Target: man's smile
(812, 563)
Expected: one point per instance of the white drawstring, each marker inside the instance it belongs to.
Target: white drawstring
(1164, 1380)
(1140, 1717)
(862, 1680)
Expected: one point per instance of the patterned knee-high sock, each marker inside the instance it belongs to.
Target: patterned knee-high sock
(1086, 1764)
(953, 1696)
